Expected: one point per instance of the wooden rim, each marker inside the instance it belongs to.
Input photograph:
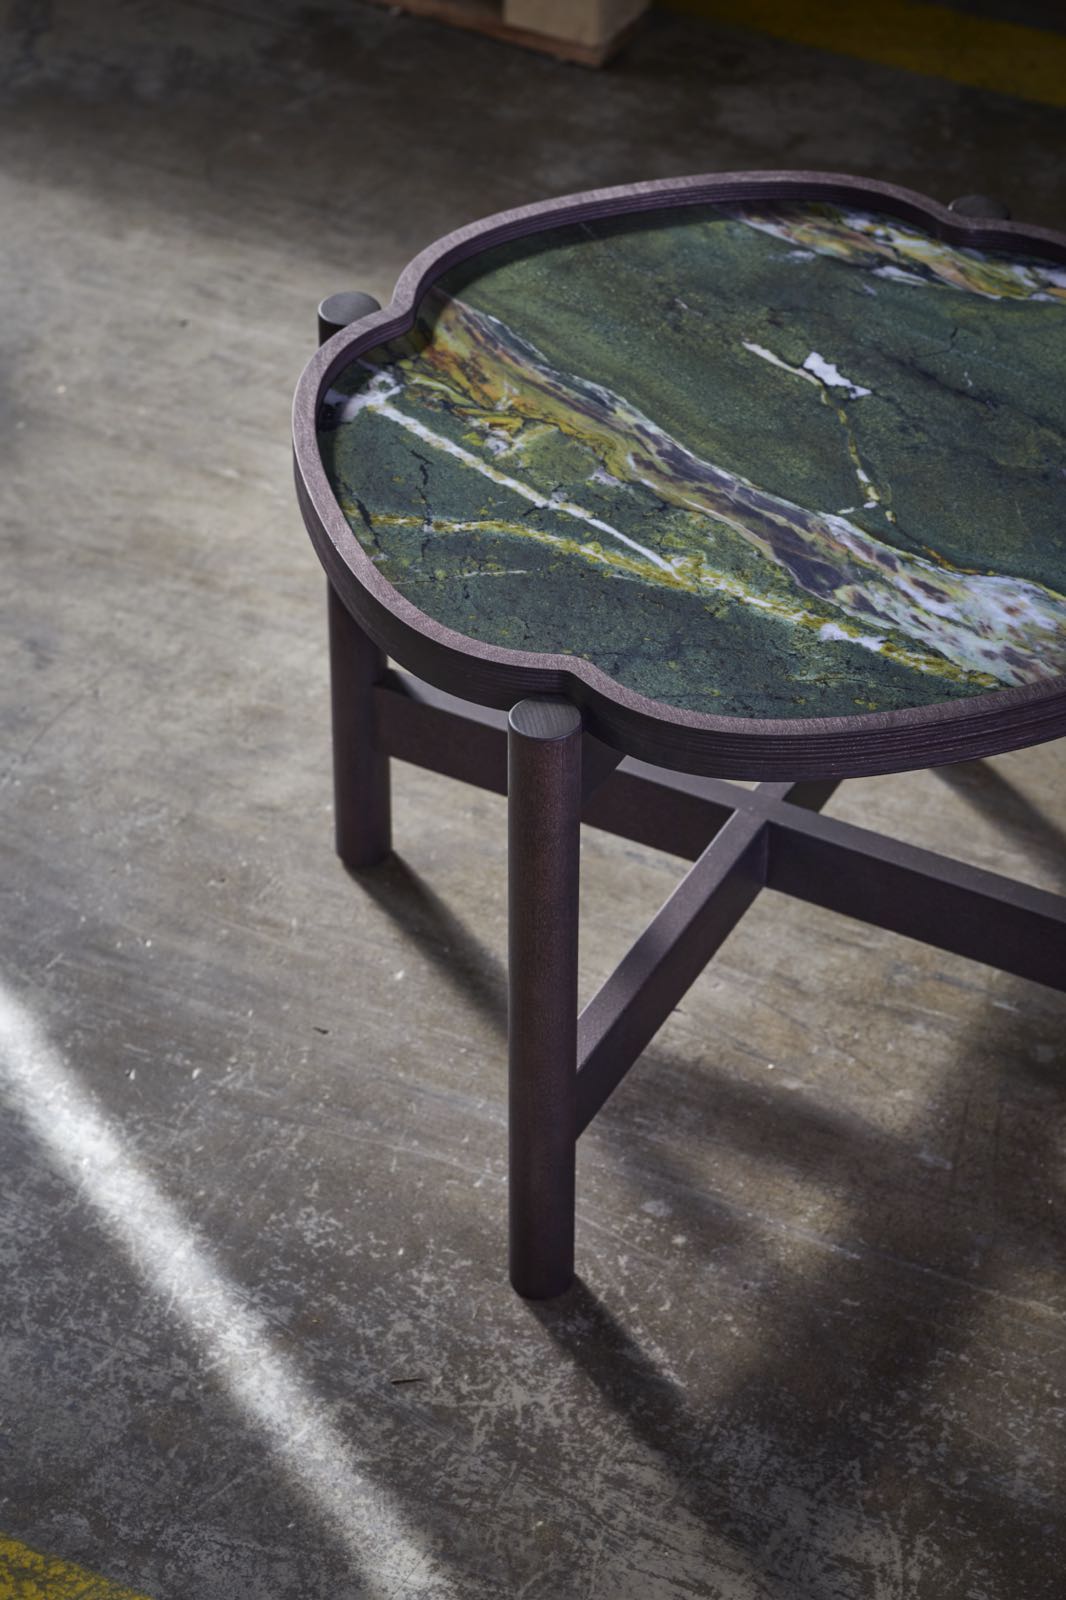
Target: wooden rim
(737, 747)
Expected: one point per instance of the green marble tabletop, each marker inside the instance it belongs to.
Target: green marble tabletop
(770, 460)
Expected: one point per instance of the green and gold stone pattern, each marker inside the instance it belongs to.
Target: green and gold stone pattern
(769, 460)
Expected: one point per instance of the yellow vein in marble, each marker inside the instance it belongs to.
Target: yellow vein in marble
(378, 395)
(979, 623)
(815, 370)
(888, 248)
(690, 574)
(982, 628)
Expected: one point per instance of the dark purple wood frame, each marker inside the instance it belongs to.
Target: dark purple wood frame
(579, 747)
(731, 747)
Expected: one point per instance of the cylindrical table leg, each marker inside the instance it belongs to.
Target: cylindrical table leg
(339, 311)
(362, 814)
(544, 831)
(361, 809)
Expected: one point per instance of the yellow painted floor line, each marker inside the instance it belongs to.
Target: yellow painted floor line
(27, 1575)
(1004, 57)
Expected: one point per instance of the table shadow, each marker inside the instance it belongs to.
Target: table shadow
(997, 799)
(832, 1407)
(822, 1457)
(468, 965)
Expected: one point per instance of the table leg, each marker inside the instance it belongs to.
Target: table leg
(339, 311)
(362, 813)
(544, 833)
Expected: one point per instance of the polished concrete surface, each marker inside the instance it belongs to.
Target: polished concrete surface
(256, 1335)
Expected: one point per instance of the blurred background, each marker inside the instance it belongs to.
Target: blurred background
(257, 1339)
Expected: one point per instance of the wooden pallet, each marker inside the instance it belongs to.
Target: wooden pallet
(586, 31)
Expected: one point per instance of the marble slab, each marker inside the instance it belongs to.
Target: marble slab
(778, 460)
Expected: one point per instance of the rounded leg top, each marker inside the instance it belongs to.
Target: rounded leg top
(336, 311)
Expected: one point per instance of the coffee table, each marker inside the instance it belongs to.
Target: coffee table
(747, 477)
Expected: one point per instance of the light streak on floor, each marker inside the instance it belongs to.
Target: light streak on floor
(234, 1340)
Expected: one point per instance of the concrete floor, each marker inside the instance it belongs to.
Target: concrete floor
(257, 1341)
